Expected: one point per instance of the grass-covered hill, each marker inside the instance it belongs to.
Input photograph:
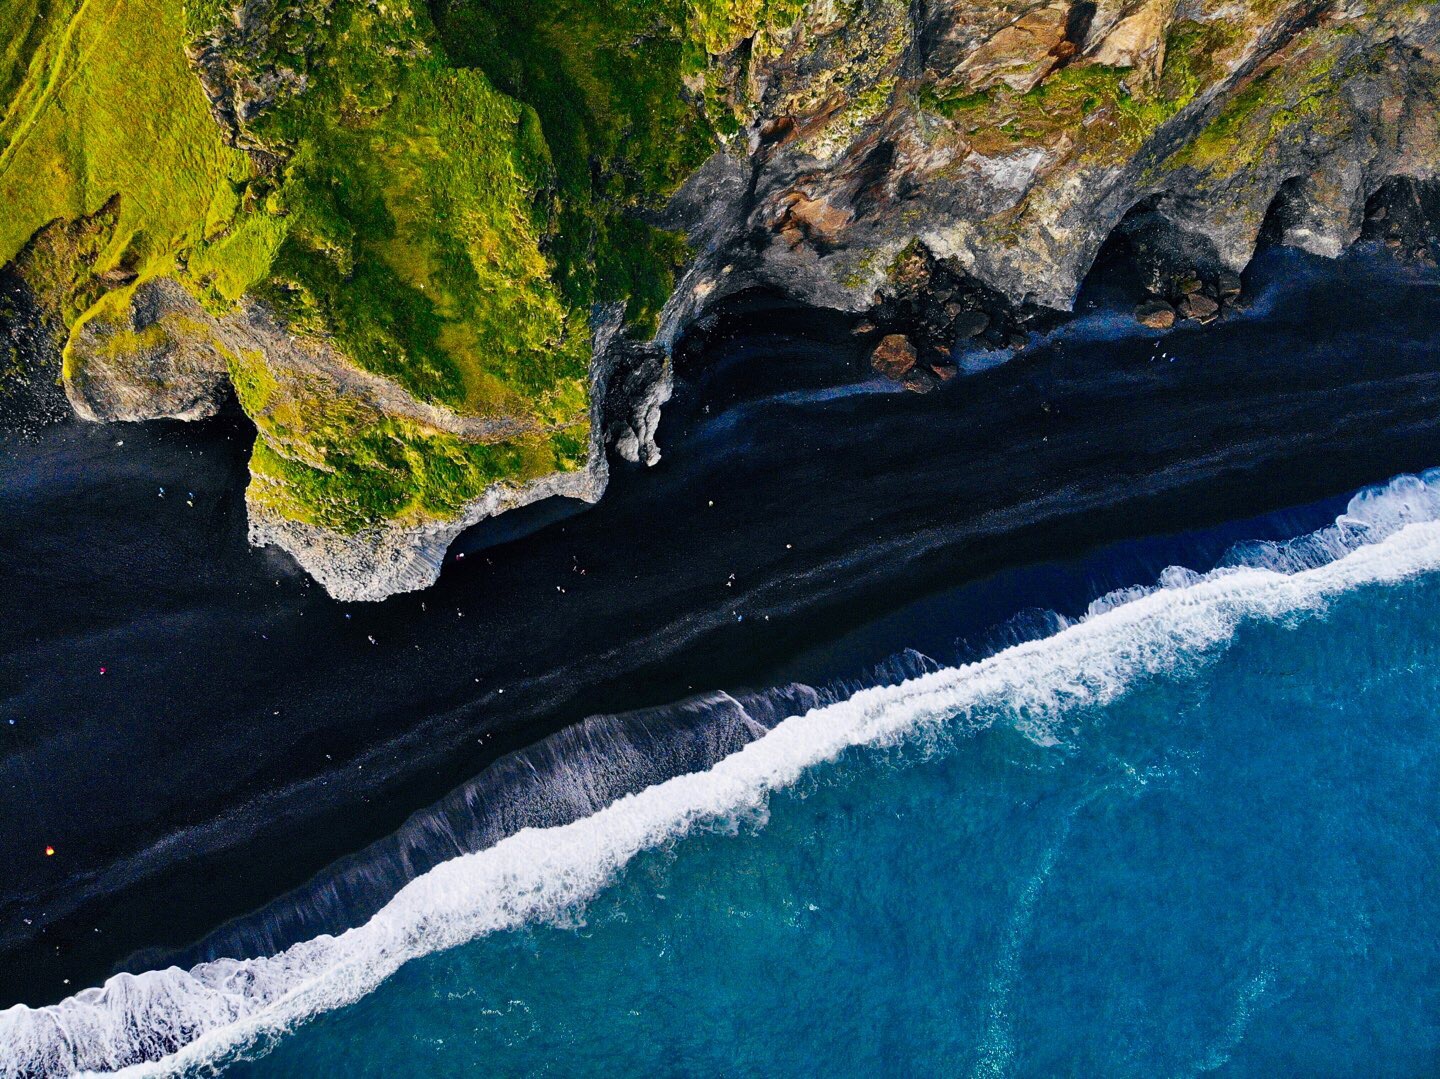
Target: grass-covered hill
(437, 196)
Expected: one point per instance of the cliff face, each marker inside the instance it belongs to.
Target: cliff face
(439, 253)
(1011, 140)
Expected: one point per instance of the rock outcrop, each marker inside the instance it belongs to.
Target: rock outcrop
(158, 356)
(1200, 114)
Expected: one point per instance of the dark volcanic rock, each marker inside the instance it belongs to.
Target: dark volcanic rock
(970, 324)
(919, 380)
(1404, 214)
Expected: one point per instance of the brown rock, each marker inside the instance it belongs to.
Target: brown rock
(813, 218)
(1020, 54)
(1136, 41)
(119, 275)
(1157, 314)
(778, 128)
(944, 370)
(863, 327)
(894, 356)
(1227, 283)
(1199, 307)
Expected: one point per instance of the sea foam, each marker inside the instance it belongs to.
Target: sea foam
(168, 1021)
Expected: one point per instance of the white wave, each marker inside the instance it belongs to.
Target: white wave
(1389, 534)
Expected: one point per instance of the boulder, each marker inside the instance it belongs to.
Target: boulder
(1157, 314)
(969, 324)
(894, 356)
(919, 380)
(1199, 307)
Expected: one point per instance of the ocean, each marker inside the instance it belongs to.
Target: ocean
(1189, 829)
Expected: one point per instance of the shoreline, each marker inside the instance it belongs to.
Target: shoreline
(926, 494)
(1388, 535)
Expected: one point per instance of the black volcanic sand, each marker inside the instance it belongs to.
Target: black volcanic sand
(247, 731)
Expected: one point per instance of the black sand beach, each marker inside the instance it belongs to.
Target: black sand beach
(247, 730)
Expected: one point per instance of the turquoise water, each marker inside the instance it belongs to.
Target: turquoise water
(1229, 867)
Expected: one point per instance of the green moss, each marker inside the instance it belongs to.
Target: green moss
(1277, 103)
(719, 26)
(255, 384)
(604, 80)
(1092, 103)
(1109, 111)
(954, 105)
(1191, 51)
(109, 107)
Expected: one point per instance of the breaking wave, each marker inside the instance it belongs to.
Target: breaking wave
(166, 1021)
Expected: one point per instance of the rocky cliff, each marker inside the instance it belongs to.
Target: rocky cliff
(439, 254)
(1011, 140)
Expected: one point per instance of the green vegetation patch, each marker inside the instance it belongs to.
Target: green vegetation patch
(718, 26)
(328, 461)
(401, 212)
(440, 193)
(1110, 111)
(1091, 102)
(604, 78)
(1285, 101)
(109, 107)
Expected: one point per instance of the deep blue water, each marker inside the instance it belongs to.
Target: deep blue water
(1229, 868)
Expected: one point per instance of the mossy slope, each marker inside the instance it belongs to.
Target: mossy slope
(401, 213)
(441, 203)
